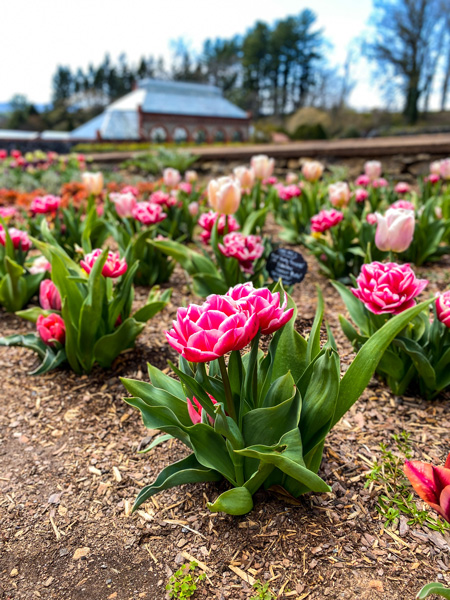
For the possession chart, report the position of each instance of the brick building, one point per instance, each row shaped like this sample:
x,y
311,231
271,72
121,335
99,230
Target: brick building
x,y
160,111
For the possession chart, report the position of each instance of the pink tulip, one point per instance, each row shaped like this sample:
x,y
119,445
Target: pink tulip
x,y
245,176
270,180
264,303
444,169
193,209
406,204
16,153
224,195
363,180
312,170
287,192
7,212
361,195
185,187
431,483
148,213
207,332
372,218
245,248
49,296
163,198
402,188
433,178
380,183
171,177
339,194
207,221
373,168
291,178
45,204
113,267
395,230
195,410
123,203
40,265
3,154
262,166
435,167
388,287
19,239
443,308
130,189
325,220
191,176
51,329
93,182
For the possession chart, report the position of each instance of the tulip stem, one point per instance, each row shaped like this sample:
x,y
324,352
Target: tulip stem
x,y
227,388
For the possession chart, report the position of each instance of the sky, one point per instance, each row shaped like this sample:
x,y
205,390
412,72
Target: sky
x,y
38,36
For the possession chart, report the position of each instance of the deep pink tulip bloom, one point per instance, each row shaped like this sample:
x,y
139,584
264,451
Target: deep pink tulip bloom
x,y
325,220
402,188
130,189
395,230
16,153
207,332
287,192
45,204
3,154
406,204
162,198
380,183
6,212
49,296
443,308
363,180
265,304
195,410
372,219
245,248
185,187
431,483
361,195
388,287
433,178
19,239
113,267
207,221
123,203
148,213
51,329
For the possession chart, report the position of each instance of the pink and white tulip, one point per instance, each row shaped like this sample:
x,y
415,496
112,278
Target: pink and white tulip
x,y
395,230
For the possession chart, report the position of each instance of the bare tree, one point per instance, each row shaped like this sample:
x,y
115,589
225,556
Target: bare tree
x,y
404,45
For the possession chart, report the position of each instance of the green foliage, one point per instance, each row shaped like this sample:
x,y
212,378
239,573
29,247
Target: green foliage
x,y
417,359
183,583
431,589
154,163
262,591
314,131
96,313
272,415
396,497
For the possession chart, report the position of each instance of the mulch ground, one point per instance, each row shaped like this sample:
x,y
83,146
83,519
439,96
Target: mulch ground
x,y
70,472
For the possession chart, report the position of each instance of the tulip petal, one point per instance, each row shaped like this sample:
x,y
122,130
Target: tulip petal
x,y
444,502
421,477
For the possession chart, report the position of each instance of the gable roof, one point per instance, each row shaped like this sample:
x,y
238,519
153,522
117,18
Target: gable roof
x,y
120,119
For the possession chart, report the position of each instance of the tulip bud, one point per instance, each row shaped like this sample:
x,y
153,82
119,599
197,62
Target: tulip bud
x,y
245,176
395,230
312,170
171,177
262,166
191,176
93,183
339,194
373,168
443,308
445,168
224,195
49,297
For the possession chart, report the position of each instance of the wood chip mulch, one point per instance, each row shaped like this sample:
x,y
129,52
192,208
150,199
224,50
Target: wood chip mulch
x,y
70,472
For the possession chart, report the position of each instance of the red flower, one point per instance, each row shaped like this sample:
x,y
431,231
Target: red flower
x,y
51,329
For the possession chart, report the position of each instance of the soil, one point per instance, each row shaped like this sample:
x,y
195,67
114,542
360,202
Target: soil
x,y
70,472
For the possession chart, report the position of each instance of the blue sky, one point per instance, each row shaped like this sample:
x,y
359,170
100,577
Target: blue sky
x,y
51,32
